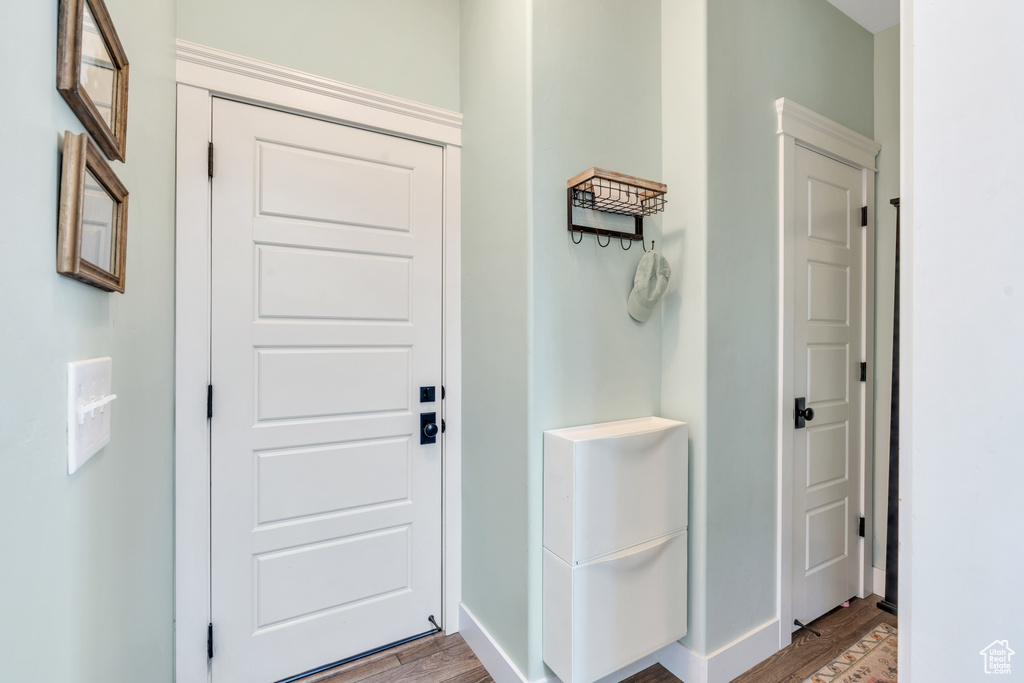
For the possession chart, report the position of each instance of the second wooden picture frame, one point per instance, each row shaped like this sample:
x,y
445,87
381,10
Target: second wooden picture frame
x,y
92,230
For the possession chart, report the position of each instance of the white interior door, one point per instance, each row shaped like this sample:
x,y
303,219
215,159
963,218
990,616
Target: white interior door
x,y
326,285
828,349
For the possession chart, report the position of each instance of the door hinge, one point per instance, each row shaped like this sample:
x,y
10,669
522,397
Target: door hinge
x,y
209,160
209,641
863,209
863,372
860,529
209,401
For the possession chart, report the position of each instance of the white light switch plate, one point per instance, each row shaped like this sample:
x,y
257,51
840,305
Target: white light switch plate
x,y
89,396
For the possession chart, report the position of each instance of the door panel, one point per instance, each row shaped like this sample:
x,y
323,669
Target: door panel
x,y
319,185
333,479
827,348
326,510
292,583
828,456
303,383
826,534
313,283
828,293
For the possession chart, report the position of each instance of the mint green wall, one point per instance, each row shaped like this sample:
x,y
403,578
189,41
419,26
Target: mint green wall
x,y
495,320
591,361
546,337
86,571
596,101
684,243
407,48
887,186
706,119
758,51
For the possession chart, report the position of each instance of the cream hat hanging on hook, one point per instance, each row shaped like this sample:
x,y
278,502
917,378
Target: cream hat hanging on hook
x,y
649,284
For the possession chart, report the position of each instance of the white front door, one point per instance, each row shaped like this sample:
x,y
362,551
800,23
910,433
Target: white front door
x,y
828,349
326,321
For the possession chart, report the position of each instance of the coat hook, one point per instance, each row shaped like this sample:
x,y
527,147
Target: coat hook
x,y
574,240
597,236
630,242
644,245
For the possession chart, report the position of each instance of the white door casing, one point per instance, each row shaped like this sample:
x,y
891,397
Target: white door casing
x,y
203,74
804,132
325,507
827,351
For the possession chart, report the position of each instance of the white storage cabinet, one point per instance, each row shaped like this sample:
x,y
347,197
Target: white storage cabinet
x,y
615,505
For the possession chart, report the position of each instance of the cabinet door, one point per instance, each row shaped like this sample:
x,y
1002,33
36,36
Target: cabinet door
x,y
644,588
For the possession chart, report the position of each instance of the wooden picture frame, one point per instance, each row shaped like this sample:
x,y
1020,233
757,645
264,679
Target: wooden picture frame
x,y
92,230
92,68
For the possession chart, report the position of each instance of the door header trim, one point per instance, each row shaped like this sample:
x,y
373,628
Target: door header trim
x,y
250,80
825,135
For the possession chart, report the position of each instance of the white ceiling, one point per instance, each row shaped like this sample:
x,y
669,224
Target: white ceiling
x,y
874,15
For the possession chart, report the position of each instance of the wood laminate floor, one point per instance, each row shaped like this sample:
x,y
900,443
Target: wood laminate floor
x,y
447,659
434,659
840,629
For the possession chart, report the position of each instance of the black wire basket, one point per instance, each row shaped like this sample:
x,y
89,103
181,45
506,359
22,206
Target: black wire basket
x,y
618,196
615,193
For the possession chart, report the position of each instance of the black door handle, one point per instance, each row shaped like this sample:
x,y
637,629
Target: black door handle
x,y
428,428
803,414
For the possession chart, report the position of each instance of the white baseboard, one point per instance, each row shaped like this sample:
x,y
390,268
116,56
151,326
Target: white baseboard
x,y
501,668
878,581
490,654
720,666
726,663
684,664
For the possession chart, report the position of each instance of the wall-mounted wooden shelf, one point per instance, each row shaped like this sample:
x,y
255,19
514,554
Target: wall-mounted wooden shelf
x,y
614,193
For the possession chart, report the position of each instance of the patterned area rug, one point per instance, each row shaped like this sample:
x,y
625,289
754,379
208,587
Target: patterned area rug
x,y
872,659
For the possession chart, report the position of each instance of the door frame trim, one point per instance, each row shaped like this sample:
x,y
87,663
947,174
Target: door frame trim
x,y
799,126
202,74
